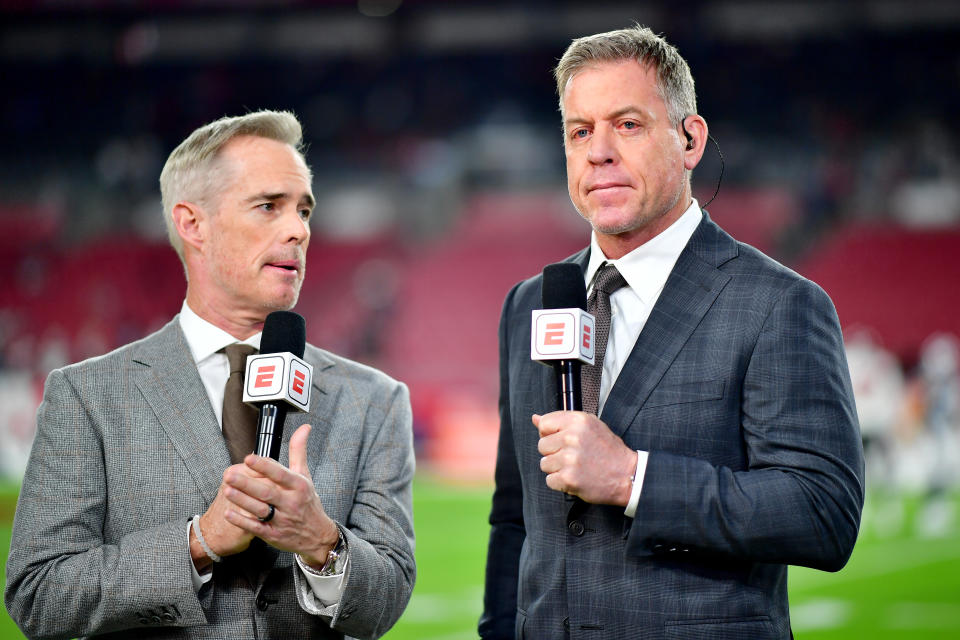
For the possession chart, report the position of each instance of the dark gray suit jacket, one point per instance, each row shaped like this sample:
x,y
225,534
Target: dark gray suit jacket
x,y
128,449
738,387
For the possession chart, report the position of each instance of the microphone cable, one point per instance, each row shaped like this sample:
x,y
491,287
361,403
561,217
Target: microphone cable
x,y
720,177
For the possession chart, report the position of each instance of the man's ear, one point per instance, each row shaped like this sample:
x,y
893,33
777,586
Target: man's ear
x,y
695,134
190,222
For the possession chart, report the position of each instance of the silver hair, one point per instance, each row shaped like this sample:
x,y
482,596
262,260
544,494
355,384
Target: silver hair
x,y
674,81
192,172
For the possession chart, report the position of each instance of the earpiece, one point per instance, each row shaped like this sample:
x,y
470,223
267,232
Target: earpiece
x,y
683,125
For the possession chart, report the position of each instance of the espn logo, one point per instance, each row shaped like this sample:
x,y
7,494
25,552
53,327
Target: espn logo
x,y
562,334
298,382
264,376
278,376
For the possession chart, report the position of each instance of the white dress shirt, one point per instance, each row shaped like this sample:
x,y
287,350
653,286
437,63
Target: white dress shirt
x,y
206,341
646,270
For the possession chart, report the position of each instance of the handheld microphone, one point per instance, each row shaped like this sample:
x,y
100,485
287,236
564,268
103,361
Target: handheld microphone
x,y
277,379
561,334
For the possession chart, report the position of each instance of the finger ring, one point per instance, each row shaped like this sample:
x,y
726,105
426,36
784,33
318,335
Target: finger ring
x,y
269,516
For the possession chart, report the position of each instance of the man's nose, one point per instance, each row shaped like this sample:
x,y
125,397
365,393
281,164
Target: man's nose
x,y
603,148
296,226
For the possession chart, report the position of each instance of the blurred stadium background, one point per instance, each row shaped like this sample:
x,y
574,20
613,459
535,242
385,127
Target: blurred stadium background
x,y
434,140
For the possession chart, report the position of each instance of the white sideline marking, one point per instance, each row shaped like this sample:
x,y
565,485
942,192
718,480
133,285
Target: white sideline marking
x,y
437,607
820,614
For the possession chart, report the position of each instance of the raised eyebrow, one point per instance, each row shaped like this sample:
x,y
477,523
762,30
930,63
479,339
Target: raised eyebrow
x,y
273,197
570,122
619,113
629,110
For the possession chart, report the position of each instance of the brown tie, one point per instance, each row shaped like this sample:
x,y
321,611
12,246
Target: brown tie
x,y
607,280
239,418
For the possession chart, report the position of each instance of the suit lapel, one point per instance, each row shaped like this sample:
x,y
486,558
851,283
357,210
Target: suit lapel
x,y
690,291
169,381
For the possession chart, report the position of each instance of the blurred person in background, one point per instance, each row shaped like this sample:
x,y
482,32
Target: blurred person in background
x,y
939,376
880,390
131,445
726,446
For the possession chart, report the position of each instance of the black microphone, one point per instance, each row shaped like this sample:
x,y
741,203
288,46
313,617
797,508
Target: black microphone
x,y
562,333
277,378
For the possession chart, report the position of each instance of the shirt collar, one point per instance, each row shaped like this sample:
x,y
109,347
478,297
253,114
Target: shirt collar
x,y
647,267
204,338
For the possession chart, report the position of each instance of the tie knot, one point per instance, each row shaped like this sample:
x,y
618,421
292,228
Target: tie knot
x,y
608,279
237,355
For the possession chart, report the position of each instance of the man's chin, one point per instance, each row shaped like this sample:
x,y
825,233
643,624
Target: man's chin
x,y
614,227
283,301
611,221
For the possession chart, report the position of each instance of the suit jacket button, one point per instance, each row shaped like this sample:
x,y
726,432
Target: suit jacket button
x,y
262,603
168,617
576,528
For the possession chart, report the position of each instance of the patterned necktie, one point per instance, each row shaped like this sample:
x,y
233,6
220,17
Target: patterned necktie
x,y
607,280
239,418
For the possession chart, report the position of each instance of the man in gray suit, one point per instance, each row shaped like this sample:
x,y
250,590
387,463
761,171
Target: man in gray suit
x,y
106,539
726,446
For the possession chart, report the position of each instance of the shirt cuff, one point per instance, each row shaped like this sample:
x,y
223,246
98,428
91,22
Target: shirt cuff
x,y
631,509
198,580
326,590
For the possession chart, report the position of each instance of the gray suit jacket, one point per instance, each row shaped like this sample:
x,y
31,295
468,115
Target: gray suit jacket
x,y
738,387
128,449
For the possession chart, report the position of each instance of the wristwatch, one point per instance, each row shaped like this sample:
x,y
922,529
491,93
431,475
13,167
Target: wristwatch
x,y
334,563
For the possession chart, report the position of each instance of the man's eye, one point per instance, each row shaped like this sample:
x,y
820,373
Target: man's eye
x,y
268,206
580,133
305,213
629,125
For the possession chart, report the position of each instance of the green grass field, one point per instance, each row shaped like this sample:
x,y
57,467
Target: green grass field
x,y
900,582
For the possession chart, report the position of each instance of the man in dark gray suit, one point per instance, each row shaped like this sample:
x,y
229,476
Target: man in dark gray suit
x,y
107,540
726,446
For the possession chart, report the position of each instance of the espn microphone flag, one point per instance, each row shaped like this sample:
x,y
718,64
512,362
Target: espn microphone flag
x,y
562,334
278,379
278,376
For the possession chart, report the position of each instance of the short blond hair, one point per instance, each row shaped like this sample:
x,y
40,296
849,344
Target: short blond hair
x,y
674,80
192,172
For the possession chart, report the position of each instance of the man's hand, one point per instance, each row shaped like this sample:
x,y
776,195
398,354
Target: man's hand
x,y
582,457
223,538
299,523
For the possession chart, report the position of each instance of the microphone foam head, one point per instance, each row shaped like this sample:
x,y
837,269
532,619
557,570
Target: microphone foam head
x,y
284,331
563,286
